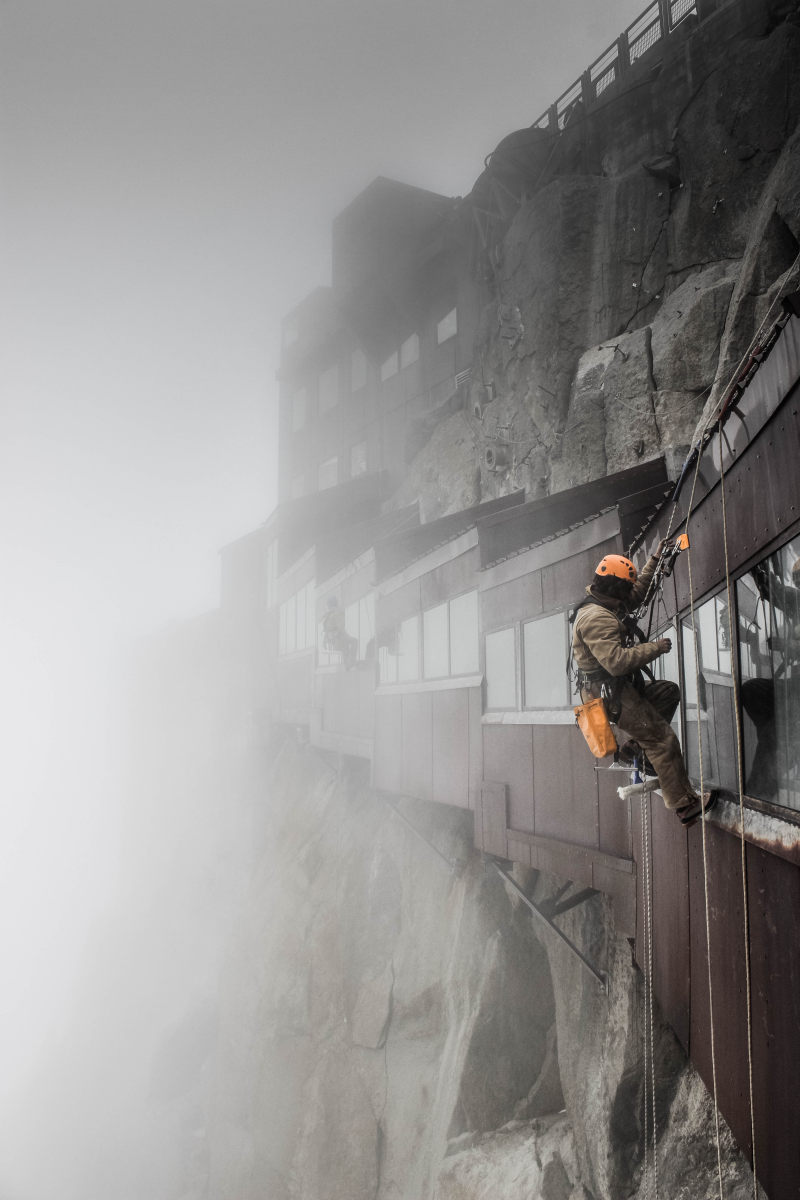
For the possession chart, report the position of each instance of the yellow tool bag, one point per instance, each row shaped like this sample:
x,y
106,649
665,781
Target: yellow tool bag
x,y
592,720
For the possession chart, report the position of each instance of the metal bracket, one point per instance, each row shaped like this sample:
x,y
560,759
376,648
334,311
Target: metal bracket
x,y
600,976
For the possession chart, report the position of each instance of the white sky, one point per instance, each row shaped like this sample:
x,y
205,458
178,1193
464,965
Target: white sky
x,y
170,170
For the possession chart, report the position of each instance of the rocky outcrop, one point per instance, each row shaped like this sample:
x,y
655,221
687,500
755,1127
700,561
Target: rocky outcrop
x,y
641,259
393,1025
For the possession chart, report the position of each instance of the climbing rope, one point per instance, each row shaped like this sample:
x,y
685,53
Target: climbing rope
x,y
739,762
695,643
649,1030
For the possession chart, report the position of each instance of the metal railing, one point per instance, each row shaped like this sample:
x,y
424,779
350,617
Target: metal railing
x,y
655,24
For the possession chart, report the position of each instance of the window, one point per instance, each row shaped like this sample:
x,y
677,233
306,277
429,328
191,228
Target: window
x,y
328,389
447,327
545,659
435,641
359,624
501,669
328,474
768,602
298,487
291,333
358,459
408,650
464,649
409,351
358,371
389,367
298,410
387,663
296,621
708,696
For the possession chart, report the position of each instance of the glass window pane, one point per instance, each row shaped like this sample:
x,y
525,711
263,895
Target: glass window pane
x,y
447,327
358,459
282,630
409,351
769,634
298,486
366,627
351,620
710,724
387,665
501,669
291,624
434,642
464,650
545,659
328,389
408,650
358,371
389,367
311,620
300,614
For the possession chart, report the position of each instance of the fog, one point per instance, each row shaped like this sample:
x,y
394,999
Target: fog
x,y
170,173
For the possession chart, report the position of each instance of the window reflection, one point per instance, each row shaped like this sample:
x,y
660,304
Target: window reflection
x,y
708,694
769,634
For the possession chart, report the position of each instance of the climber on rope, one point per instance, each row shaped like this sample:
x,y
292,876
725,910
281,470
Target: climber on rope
x,y
610,664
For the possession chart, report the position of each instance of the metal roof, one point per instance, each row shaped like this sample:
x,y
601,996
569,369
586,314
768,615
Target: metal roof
x,y
396,553
505,534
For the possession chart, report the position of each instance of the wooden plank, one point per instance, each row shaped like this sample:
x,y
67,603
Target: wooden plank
x,y
774,900
519,852
564,582
451,747
475,700
494,808
727,975
450,579
508,757
564,785
670,891
582,854
387,761
613,814
519,600
417,739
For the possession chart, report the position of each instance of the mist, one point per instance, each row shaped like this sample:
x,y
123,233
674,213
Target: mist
x,y
171,171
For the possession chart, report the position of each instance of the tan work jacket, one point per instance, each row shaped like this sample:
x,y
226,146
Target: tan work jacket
x,y
598,636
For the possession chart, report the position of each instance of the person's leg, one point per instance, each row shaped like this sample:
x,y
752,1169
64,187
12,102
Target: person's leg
x,y
642,721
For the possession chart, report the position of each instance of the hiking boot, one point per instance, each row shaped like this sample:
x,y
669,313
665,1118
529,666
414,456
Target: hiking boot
x,y
696,807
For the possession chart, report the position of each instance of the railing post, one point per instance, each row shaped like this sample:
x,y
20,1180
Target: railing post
x,y
665,12
552,118
587,89
623,54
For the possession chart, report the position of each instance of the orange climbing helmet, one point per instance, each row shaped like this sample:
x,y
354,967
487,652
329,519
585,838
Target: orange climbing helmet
x,y
617,565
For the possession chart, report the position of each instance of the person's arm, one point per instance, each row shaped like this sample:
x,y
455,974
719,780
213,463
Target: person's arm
x,y
599,632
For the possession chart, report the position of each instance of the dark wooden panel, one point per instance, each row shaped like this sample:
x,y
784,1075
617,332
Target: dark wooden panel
x,y
614,830
564,583
418,745
519,852
508,756
493,814
451,747
774,900
451,579
564,785
671,956
387,761
518,600
399,604
475,744
727,974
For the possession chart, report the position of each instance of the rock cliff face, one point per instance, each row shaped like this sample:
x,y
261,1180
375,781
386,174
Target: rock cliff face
x,y
392,1025
645,249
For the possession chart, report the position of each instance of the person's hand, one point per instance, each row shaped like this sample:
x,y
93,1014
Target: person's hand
x,y
663,645
662,546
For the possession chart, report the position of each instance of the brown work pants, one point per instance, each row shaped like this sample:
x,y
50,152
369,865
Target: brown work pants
x,y
645,716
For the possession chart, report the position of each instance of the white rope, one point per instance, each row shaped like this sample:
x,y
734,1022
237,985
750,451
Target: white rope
x,y
645,1094
650,1017
703,823
739,761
